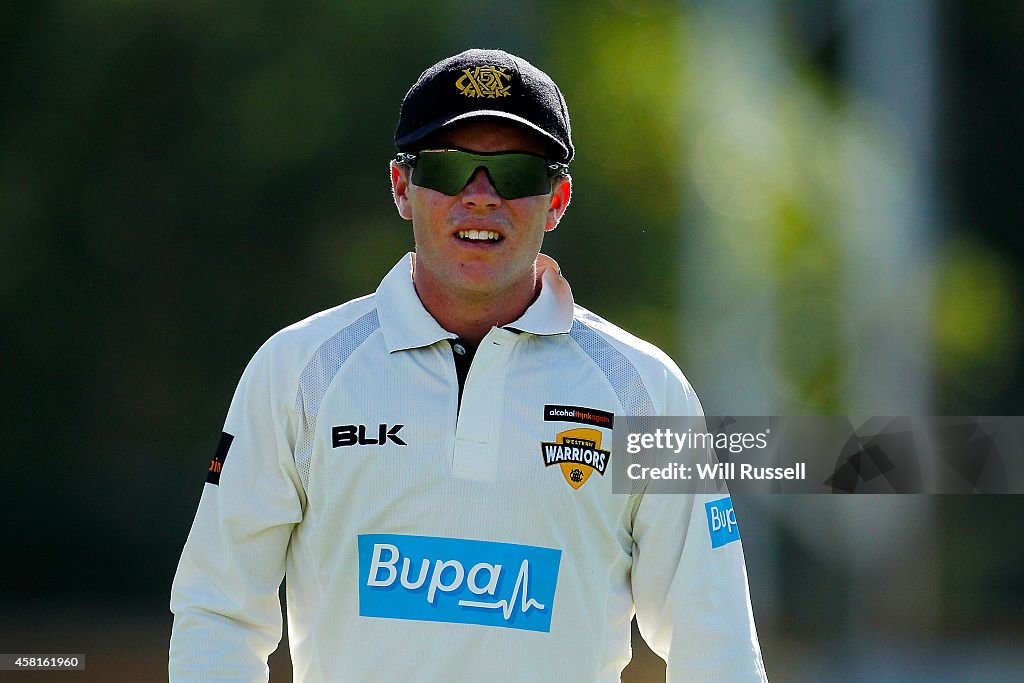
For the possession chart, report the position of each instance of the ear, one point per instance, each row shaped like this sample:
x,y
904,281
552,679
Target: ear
x,y
400,189
561,193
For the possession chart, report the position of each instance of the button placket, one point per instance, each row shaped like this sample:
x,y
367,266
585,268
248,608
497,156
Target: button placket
x,y
476,447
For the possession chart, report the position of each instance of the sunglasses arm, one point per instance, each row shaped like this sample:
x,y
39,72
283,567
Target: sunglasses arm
x,y
406,159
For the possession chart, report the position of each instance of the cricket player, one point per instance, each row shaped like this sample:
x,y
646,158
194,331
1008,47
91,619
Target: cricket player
x,y
429,466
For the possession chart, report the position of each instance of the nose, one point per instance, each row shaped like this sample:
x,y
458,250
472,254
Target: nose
x,y
479,192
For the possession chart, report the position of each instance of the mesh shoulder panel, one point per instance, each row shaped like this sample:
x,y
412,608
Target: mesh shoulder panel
x,y
617,369
317,376
625,380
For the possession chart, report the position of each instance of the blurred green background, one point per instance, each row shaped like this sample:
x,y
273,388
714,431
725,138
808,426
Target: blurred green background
x,y
815,207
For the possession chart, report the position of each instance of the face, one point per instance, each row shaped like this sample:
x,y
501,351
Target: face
x,y
450,265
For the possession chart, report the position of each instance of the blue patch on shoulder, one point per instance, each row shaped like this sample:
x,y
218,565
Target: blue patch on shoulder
x,y
722,522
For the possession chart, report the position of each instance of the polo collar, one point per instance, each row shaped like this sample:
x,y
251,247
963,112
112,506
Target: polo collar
x,y
406,324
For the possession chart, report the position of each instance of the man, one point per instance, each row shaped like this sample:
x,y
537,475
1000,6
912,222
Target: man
x,y
427,464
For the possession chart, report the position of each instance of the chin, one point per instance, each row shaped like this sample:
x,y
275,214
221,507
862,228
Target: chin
x,y
480,282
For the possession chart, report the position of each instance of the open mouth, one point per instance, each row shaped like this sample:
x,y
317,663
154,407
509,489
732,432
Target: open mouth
x,y
479,236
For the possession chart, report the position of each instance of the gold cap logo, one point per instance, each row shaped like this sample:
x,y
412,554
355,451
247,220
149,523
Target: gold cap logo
x,y
484,81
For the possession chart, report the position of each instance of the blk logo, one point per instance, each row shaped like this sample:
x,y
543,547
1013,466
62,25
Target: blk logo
x,y
356,435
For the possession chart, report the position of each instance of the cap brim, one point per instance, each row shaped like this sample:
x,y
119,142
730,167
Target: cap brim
x,y
438,124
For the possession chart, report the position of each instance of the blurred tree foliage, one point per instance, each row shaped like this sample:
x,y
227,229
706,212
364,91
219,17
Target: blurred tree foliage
x,y
178,180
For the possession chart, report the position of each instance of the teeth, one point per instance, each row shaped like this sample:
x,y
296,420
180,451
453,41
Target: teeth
x,y
486,235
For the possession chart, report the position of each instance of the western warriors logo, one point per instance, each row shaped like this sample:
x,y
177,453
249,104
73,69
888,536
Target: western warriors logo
x,y
484,81
456,580
578,453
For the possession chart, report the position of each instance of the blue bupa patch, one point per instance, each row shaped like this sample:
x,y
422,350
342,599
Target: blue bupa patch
x,y
428,578
722,522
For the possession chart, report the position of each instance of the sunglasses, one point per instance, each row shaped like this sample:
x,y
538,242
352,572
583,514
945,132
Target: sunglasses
x,y
514,174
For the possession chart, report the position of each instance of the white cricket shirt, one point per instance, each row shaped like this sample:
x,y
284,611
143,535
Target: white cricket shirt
x,y
424,539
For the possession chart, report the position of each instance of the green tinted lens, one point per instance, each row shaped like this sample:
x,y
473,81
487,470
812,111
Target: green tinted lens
x,y
519,175
441,171
513,174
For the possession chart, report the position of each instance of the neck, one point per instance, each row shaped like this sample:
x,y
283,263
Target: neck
x,y
471,315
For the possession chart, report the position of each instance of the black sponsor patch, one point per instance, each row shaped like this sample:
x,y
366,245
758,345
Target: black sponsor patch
x,y
586,416
219,456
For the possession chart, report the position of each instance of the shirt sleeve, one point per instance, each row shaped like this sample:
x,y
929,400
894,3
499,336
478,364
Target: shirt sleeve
x,y
689,580
227,614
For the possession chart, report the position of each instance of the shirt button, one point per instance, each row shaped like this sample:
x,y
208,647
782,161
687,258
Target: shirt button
x,y
459,349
